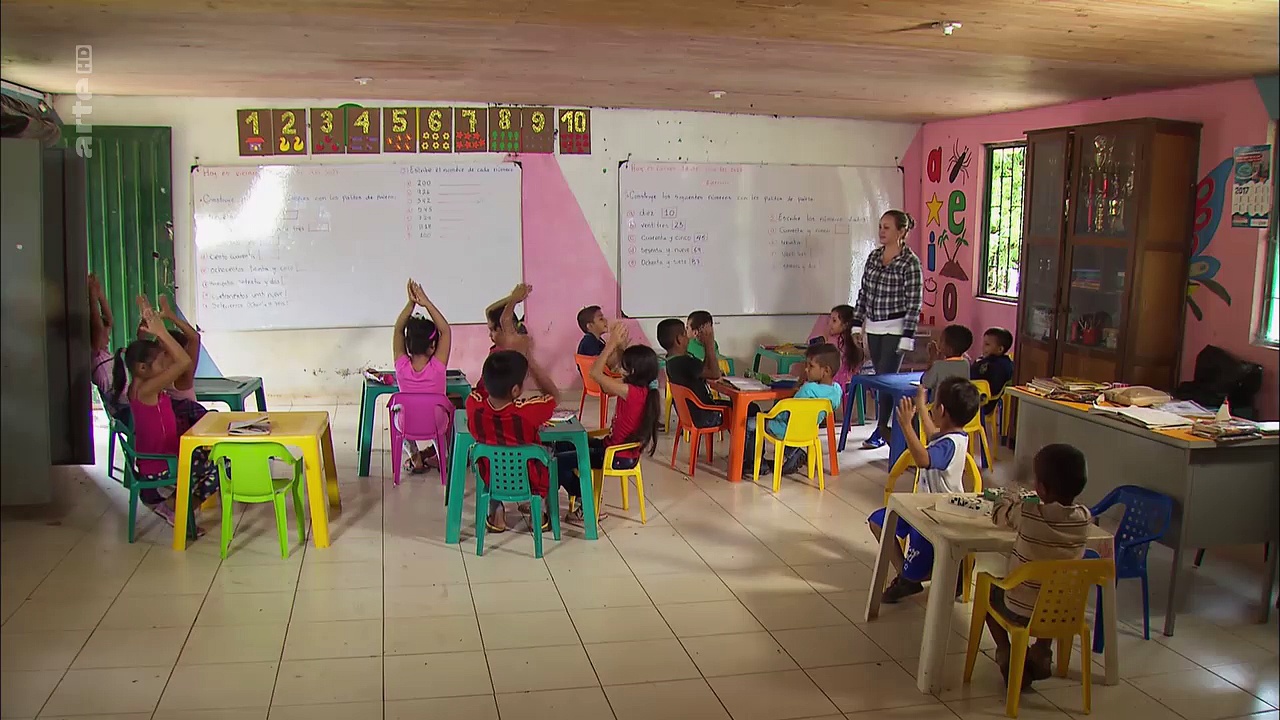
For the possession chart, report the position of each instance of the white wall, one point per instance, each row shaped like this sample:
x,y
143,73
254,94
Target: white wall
x,y
322,364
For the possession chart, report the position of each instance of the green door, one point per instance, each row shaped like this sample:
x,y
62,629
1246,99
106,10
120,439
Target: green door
x,y
129,181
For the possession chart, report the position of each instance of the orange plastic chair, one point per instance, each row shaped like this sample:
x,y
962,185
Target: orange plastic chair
x,y
803,426
1065,586
684,400
592,388
971,471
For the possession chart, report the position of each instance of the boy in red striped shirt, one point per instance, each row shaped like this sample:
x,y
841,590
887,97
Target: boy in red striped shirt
x,y
498,415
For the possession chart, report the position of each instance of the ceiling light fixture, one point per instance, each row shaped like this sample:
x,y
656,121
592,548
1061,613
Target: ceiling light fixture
x,y
717,94
367,80
949,27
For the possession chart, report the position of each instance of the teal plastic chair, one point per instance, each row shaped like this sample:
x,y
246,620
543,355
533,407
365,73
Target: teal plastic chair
x,y
131,478
253,484
509,482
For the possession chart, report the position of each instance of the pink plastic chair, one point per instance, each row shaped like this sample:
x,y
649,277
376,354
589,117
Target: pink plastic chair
x,y
420,417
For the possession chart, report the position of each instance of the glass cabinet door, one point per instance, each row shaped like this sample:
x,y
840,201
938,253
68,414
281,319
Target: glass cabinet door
x,y
1105,202
1095,295
1048,155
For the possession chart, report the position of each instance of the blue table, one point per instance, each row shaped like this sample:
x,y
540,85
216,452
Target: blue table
x,y
898,386
571,431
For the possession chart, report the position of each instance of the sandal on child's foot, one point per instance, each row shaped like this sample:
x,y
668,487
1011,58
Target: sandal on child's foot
x,y
496,522
166,512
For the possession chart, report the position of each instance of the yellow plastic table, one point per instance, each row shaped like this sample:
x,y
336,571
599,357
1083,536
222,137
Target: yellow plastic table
x,y
306,430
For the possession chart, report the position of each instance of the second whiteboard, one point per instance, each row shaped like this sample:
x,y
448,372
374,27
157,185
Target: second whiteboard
x,y
746,239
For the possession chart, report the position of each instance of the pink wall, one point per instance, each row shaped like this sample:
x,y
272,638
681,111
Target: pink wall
x,y
1231,114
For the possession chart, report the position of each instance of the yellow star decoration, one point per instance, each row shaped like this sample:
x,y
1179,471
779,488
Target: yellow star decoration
x,y
935,207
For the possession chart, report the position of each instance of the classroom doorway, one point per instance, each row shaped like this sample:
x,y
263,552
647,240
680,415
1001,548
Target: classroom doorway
x,y
129,214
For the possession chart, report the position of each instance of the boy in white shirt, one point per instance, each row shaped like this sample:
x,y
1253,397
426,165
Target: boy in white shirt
x,y
941,464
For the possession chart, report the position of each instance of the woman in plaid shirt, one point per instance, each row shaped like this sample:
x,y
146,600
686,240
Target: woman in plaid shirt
x,y
888,308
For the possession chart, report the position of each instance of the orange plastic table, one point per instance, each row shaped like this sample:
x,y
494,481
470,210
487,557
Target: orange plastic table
x,y
306,430
738,423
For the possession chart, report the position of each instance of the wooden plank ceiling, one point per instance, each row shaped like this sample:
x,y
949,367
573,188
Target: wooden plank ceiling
x,y
827,58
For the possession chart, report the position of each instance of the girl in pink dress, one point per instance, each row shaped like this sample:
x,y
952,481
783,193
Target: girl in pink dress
x,y
421,349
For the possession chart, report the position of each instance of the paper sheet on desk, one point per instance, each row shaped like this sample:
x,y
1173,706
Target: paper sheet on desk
x,y
746,384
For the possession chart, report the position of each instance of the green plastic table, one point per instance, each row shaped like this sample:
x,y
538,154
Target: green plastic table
x,y
783,361
231,391
457,386
571,431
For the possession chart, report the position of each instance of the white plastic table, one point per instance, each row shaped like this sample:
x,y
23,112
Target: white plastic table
x,y
953,537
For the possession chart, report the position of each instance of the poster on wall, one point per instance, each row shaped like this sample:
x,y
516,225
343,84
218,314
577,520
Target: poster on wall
x,y
1251,196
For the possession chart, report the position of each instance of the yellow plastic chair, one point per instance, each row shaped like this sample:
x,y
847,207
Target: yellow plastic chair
x,y
623,475
1065,586
803,426
971,471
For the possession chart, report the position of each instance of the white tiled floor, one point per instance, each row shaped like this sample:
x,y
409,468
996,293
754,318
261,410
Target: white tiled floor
x,y
730,603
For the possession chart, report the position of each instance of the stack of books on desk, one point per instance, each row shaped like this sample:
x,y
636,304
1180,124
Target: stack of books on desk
x,y
1227,430
1067,388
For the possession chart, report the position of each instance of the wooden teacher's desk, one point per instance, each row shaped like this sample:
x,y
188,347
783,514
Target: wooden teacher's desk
x,y
1224,493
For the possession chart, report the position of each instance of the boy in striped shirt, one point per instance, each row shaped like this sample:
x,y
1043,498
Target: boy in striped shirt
x,y
1055,528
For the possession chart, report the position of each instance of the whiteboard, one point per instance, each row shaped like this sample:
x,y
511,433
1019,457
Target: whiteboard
x,y
327,246
746,239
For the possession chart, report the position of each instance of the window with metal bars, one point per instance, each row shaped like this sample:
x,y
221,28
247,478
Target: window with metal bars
x,y
1002,231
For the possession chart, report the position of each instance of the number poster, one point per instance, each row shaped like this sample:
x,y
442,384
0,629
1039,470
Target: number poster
x,y
355,130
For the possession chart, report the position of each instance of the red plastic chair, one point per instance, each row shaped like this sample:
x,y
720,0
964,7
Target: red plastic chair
x,y
684,401
592,388
420,417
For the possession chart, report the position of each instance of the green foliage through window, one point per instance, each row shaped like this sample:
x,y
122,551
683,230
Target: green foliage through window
x,y
1002,234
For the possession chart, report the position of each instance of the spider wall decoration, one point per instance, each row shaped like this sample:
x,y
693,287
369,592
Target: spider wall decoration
x,y
959,162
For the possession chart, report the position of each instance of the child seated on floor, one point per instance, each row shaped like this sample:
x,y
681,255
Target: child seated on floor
x,y
421,351
941,464
995,366
946,357
1055,528
635,419
821,362
690,372
497,414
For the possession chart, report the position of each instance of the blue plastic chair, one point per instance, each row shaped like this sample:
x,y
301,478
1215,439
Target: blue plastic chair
x,y
1147,515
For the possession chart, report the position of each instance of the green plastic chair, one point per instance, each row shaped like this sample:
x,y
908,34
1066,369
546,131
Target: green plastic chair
x,y
130,477
254,484
509,482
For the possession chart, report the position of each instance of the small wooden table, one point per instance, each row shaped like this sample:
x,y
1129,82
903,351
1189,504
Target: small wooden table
x,y
738,423
231,391
1224,493
571,431
953,537
455,386
306,430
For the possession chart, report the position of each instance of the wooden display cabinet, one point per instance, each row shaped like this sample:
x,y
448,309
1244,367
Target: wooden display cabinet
x,y
1107,236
